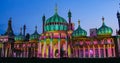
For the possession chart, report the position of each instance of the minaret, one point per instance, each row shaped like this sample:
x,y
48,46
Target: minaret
x,y
69,19
21,31
69,16
43,19
118,39
24,30
9,31
118,17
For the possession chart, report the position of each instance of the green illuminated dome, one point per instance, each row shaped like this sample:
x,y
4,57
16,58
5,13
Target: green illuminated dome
x,y
55,23
79,32
104,30
19,37
35,35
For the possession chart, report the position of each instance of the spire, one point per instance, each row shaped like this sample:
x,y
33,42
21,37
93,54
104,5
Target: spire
x,y
56,8
24,29
43,19
69,19
21,31
119,5
103,20
35,28
118,14
79,22
69,14
9,22
10,18
118,17
9,29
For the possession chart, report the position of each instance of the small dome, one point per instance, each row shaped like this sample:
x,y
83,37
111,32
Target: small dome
x,y
19,37
104,30
79,31
55,23
35,35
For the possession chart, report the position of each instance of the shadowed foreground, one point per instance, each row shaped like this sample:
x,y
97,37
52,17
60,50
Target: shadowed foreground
x,y
61,60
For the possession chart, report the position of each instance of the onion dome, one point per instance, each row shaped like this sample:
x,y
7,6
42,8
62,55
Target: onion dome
x,y
35,35
19,37
55,23
104,30
79,32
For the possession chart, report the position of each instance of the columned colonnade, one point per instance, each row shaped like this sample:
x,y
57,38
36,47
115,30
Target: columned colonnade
x,y
53,47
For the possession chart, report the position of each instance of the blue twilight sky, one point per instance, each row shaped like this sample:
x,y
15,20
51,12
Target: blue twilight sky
x,y
30,12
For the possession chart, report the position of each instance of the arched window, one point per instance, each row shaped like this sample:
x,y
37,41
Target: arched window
x,y
52,26
96,53
105,41
112,51
57,27
49,28
112,41
61,27
86,53
91,53
102,53
81,53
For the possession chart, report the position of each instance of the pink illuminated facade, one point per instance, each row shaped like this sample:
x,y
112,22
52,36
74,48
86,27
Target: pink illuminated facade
x,y
59,39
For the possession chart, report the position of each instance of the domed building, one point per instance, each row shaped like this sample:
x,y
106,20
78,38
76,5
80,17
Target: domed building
x,y
100,46
79,32
19,40
23,48
20,37
54,39
59,39
35,36
104,30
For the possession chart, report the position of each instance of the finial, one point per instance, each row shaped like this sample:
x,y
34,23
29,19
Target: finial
x,y
69,14
78,21
21,30
56,8
69,10
119,5
117,11
35,28
43,17
43,14
102,18
10,18
24,26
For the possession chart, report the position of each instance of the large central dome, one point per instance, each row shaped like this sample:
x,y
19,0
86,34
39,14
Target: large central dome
x,y
56,23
